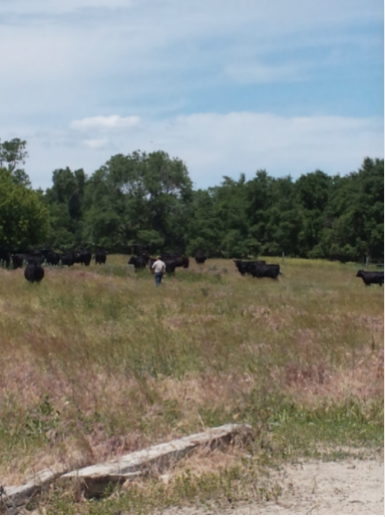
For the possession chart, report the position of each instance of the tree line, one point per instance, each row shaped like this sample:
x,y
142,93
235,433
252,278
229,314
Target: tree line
x,y
148,200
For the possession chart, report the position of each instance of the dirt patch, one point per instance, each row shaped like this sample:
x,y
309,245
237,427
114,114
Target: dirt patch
x,y
347,487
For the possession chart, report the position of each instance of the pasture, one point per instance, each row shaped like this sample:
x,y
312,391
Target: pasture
x,y
97,361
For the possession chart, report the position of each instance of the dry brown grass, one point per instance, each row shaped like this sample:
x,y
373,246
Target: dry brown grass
x,y
94,365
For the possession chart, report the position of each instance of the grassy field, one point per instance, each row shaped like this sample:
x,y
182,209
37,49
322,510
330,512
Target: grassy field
x,y
96,362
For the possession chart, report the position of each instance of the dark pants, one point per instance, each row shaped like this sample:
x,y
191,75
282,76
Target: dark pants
x,y
158,279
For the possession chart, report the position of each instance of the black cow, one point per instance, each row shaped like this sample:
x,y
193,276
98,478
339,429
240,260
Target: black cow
x,y
266,271
83,257
176,261
100,256
247,267
52,258
33,272
370,277
183,261
138,262
171,265
67,258
200,257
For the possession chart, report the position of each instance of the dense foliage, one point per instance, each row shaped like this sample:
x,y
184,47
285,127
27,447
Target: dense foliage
x,y
24,220
148,200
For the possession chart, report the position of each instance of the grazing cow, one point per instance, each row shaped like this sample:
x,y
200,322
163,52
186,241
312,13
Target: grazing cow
x,y
76,256
176,260
5,256
52,258
68,258
266,271
100,256
171,264
371,277
247,267
85,257
82,257
200,257
182,261
138,262
33,272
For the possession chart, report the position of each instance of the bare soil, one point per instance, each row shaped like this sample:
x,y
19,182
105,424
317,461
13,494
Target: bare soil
x,y
346,487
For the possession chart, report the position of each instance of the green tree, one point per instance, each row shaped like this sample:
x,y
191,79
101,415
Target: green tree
x,y
12,153
311,194
354,216
65,200
24,220
203,224
230,210
258,201
144,197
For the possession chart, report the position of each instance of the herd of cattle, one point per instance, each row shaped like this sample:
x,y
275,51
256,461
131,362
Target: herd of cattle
x,y
34,272
50,257
257,268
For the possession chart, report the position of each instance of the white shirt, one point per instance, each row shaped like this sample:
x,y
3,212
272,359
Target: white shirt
x,y
159,266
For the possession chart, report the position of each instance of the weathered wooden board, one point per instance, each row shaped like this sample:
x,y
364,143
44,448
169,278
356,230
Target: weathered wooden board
x,y
95,478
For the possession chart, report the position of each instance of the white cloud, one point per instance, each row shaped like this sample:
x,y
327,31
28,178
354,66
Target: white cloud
x,y
64,61
96,143
122,53
213,145
105,123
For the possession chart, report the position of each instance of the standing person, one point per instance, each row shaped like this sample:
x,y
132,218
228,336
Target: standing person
x,y
159,267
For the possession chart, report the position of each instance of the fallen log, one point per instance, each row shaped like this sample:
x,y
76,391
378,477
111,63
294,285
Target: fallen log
x,y
95,478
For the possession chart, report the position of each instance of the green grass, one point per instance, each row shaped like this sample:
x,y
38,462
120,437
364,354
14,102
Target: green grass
x,y
97,361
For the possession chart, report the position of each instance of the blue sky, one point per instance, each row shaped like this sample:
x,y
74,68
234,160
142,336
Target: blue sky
x,y
228,86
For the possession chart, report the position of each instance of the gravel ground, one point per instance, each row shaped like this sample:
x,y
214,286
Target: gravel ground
x,y
347,487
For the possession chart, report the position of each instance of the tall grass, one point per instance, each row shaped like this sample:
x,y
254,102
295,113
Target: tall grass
x,y
96,361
